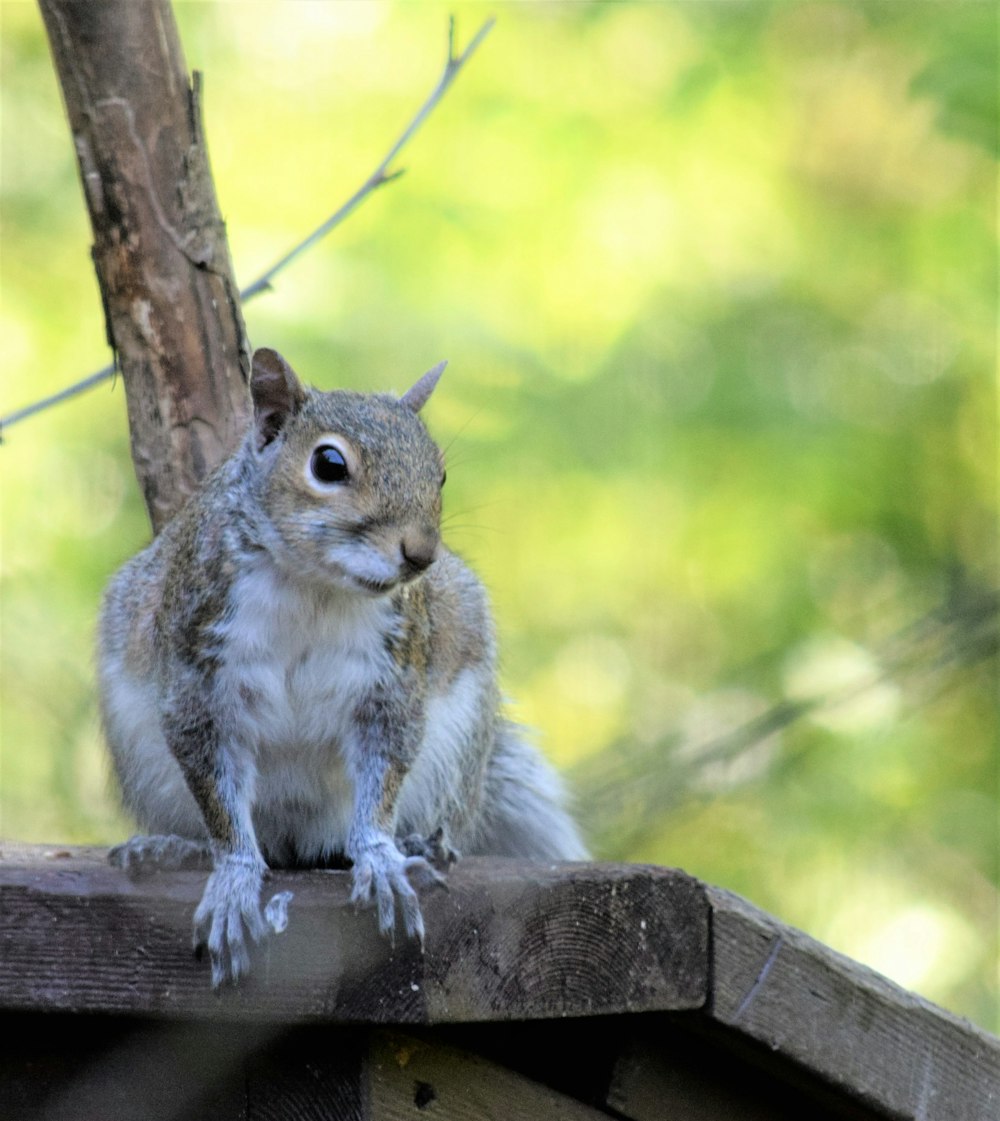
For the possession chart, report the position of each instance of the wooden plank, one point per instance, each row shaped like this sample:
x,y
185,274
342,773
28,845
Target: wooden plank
x,y
651,1082
870,1039
508,940
65,1067
511,941
574,1056
313,1073
411,1075
60,1067
687,1069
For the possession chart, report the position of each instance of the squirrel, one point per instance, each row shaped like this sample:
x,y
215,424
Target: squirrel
x,y
297,671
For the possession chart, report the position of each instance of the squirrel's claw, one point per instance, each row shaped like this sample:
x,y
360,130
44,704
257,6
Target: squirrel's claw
x,y
382,874
230,910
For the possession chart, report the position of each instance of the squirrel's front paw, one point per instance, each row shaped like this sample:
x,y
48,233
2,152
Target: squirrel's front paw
x,y
382,873
229,911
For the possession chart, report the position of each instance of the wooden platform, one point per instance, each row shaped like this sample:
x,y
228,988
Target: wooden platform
x,y
571,991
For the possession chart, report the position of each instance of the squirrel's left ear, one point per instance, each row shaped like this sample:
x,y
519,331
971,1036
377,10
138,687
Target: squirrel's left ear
x,y
416,396
276,391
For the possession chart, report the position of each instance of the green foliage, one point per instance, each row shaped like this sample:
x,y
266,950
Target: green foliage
x,y
717,283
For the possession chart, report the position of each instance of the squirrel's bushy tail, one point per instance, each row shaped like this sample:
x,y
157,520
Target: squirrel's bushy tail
x,y
523,805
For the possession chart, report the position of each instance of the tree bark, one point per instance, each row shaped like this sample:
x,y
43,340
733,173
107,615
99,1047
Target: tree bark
x,y
171,303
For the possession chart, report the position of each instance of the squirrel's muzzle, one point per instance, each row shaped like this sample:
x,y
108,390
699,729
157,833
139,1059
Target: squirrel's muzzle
x,y
419,552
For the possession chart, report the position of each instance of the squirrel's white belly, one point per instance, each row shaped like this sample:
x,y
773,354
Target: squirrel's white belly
x,y
295,665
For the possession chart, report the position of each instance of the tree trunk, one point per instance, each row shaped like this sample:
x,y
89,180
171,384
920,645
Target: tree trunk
x,y
171,303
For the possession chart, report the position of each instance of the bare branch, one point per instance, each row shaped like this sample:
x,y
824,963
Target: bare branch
x,y
56,398
380,176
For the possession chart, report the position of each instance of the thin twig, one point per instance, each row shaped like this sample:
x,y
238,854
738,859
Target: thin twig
x,y
378,177
381,174
63,395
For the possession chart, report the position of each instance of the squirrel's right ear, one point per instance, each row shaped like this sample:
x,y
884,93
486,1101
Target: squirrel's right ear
x,y
416,396
277,394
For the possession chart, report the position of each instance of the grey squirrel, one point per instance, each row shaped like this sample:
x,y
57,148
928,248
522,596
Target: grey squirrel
x,y
296,670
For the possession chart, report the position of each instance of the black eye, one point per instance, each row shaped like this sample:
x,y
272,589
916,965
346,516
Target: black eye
x,y
444,476
328,464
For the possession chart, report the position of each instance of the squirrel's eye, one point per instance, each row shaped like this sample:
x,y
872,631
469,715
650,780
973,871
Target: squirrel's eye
x,y
328,464
444,477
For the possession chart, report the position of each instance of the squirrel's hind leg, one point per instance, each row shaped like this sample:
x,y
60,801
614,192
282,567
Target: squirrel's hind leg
x,y
434,849
141,856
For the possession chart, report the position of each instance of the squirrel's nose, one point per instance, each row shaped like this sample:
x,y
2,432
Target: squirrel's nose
x,y
419,552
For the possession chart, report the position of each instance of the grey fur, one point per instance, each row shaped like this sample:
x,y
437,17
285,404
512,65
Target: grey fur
x,y
297,671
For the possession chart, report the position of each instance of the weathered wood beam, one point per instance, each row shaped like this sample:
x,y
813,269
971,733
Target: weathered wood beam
x,y
171,303
888,1047
507,940
655,953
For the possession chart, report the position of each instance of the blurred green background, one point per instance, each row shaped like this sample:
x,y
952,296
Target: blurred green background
x,y
717,283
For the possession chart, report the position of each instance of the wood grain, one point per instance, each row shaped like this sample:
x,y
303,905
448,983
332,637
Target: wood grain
x,y
507,940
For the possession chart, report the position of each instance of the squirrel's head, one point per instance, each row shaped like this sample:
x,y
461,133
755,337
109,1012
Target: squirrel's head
x,y
350,482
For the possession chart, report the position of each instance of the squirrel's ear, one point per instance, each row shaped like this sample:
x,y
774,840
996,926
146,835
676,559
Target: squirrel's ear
x,y
416,396
276,391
